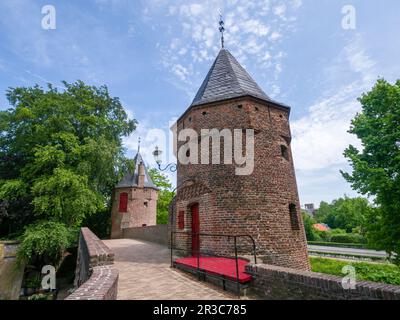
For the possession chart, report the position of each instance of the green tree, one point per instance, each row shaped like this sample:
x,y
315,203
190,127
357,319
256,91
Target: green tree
x,y
165,195
344,213
323,211
61,153
376,168
311,234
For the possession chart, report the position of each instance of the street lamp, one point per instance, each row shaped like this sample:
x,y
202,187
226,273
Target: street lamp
x,y
157,157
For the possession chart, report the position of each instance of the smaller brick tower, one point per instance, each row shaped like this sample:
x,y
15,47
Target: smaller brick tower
x,y
134,200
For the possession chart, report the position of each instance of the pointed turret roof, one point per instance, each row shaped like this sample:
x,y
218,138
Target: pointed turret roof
x,y
227,79
131,179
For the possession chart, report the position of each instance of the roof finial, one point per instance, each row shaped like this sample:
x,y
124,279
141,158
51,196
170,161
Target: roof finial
x,y
138,148
221,28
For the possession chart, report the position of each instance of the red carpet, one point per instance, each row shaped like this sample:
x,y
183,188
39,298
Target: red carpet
x,y
218,266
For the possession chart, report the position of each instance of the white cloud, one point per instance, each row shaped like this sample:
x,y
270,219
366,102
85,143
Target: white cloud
x,y
275,36
255,27
251,28
296,3
280,11
275,91
180,71
320,137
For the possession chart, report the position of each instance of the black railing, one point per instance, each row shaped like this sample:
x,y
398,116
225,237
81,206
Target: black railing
x,y
199,252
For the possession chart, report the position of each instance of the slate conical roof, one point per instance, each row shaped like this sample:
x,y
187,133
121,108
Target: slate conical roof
x,y
131,179
227,79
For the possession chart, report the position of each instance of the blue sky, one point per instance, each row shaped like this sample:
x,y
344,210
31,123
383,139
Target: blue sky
x,y
154,55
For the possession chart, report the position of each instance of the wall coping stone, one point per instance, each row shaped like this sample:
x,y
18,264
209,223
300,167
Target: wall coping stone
x,y
103,276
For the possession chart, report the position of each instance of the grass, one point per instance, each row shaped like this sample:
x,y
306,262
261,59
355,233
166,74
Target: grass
x,y
376,272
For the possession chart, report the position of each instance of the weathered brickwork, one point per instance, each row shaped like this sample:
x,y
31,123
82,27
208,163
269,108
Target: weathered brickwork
x,y
256,204
95,277
142,210
272,282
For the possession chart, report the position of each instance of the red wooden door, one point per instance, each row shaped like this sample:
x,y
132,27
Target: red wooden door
x,y
195,229
123,202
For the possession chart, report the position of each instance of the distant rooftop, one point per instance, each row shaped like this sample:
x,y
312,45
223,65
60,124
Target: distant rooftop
x,y
131,179
227,79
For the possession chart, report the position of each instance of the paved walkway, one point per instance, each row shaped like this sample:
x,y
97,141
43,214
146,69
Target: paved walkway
x,y
145,274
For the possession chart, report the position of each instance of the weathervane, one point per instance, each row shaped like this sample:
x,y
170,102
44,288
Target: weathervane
x,y
221,28
138,148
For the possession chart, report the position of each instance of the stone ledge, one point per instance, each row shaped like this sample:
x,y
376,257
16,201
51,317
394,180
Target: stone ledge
x,y
99,253
102,285
95,277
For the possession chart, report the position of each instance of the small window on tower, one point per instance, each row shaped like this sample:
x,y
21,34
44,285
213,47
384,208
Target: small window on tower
x,y
294,220
204,113
123,202
284,152
181,220
240,106
146,204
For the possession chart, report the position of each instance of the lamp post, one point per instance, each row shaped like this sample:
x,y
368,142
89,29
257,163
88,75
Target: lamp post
x,y
157,157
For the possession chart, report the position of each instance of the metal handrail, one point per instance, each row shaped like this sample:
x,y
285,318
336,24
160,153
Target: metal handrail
x,y
216,235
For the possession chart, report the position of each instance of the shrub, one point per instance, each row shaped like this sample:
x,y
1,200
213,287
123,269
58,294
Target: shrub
x,y
323,235
337,231
44,243
99,223
348,238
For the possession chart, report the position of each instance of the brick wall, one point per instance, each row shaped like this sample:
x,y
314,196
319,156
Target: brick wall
x,y
157,234
95,276
273,282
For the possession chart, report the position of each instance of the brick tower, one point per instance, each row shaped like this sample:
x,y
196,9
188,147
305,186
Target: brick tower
x,y
211,198
134,200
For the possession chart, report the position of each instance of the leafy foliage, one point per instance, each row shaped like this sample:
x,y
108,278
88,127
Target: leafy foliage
x,y
376,168
308,227
348,238
99,223
65,196
344,213
165,195
45,241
